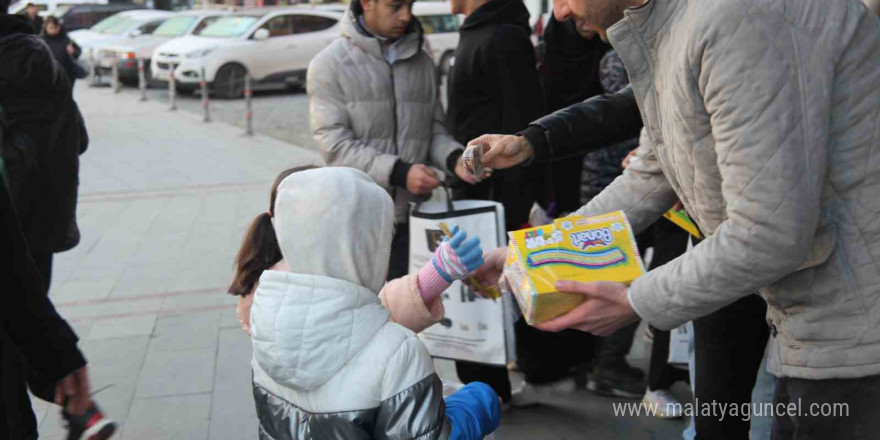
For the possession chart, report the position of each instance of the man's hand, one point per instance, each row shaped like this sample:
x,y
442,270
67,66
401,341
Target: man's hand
x,y
629,157
75,389
463,174
503,151
70,49
490,272
421,180
604,311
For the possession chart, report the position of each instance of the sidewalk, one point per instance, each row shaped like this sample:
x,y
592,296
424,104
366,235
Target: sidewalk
x,y
164,202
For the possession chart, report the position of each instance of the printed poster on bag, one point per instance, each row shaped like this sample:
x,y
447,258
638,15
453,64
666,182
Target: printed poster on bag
x,y
473,328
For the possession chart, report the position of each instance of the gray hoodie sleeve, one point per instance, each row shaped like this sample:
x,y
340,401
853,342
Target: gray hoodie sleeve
x,y
331,126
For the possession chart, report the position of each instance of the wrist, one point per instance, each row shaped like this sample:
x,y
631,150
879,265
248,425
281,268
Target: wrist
x,y
399,173
452,160
431,281
537,143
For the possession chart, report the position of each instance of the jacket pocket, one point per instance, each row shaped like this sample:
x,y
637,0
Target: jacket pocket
x,y
820,304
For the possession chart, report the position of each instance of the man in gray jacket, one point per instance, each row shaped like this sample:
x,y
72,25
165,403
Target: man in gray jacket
x,y
762,117
374,105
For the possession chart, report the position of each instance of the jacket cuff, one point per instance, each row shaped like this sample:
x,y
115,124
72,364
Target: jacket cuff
x,y
431,282
452,159
538,139
399,173
652,305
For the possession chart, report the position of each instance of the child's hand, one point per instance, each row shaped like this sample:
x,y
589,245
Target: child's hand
x,y
458,257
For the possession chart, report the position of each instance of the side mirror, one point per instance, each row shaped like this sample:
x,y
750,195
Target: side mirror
x,y
261,34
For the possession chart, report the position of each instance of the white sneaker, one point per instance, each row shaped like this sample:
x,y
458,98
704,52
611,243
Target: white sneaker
x,y
531,394
667,406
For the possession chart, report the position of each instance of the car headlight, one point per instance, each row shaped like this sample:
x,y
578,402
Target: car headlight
x,y
200,53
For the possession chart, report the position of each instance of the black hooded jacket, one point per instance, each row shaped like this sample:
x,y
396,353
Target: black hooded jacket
x,y
494,89
48,136
58,45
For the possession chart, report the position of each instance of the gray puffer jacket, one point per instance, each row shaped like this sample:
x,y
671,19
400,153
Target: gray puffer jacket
x,y
763,117
366,113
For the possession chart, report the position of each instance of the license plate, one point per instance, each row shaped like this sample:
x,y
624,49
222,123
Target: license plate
x,y
161,75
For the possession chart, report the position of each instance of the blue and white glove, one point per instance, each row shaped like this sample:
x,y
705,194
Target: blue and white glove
x,y
454,259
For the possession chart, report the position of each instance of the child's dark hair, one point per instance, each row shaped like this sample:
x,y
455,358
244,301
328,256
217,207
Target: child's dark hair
x,y
259,249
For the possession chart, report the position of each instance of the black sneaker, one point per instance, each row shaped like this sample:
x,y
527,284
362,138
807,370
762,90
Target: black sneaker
x,y
92,425
626,382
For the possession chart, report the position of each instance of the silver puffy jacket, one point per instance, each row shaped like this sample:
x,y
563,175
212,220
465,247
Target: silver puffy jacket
x,y
366,113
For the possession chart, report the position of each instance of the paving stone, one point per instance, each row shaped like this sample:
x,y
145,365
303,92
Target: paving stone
x,y
177,372
173,417
122,327
186,332
83,289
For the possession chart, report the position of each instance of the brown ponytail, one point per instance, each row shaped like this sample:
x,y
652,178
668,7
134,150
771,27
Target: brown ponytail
x,y
259,249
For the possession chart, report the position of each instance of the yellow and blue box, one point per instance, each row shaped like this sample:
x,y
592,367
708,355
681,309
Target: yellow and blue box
x,y
574,248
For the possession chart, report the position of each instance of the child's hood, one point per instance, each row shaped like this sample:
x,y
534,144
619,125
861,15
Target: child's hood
x,y
334,228
335,222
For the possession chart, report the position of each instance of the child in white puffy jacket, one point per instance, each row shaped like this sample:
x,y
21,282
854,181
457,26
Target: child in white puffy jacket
x,y
413,300
328,360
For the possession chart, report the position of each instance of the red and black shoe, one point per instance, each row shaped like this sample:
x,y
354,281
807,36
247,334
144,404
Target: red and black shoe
x,y
92,425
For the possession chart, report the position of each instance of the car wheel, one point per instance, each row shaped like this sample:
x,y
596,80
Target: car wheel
x,y
229,81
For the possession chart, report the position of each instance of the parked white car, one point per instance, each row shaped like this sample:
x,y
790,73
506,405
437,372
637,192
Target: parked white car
x,y
441,31
272,45
117,27
128,51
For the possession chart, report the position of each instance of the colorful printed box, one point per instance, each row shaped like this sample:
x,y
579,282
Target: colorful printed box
x,y
574,248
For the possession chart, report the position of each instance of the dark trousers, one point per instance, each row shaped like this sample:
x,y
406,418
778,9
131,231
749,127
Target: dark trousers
x,y
399,264
17,420
855,417
545,357
729,346
661,375
495,377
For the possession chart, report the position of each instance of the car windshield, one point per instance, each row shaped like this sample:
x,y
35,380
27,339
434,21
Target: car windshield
x,y
175,26
120,27
229,27
109,22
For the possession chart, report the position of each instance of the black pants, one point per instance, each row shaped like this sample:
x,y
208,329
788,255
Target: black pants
x,y
399,264
856,417
495,377
729,346
545,357
661,375
17,420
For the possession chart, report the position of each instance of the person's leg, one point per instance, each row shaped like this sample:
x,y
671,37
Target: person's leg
x,y
729,347
17,420
541,356
399,264
611,374
690,433
840,409
661,375
762,394
43,261
495,377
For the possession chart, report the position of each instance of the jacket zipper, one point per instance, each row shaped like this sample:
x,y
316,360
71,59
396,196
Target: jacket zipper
x,y
394,109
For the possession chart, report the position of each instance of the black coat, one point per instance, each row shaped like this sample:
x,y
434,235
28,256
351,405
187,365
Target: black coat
x,y
494,88
569,74
31,332
36,97
58,45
